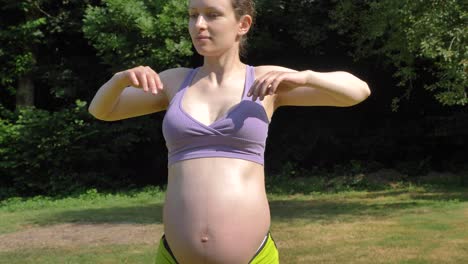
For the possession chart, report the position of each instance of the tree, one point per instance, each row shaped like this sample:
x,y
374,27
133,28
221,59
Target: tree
x,y
135,32
416,37
42,50
292,26
22,33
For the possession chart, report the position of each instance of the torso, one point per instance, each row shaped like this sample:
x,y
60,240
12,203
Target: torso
x,y
216,209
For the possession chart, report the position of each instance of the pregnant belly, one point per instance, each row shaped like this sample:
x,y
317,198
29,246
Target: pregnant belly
x,y
215,216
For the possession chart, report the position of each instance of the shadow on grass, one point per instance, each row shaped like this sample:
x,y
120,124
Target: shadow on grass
x,y
431,193
148,214
329,211
281,210
314,210
352,209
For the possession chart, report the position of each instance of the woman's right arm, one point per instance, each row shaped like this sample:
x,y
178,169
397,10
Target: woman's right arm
x,y
130,93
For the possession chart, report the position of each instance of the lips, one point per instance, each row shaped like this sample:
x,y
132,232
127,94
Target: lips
x,y
203,37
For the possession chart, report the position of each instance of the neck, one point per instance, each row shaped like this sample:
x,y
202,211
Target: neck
x,y
226,64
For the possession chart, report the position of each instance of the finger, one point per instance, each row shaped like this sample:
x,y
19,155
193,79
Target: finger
x,y
270,90
152,84
148,72
265,86
144,82
252,88
258,89
257,84
266,81
273,88
264,90
275,84
262,95
157,79
159,83
134,79
249,92
271,84
255,90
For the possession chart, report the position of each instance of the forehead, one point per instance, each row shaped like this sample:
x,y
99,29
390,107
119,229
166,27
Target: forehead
x,y
210,4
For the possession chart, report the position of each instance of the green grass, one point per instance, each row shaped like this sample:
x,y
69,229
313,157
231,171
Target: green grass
x,y
405,224
140,207
103,254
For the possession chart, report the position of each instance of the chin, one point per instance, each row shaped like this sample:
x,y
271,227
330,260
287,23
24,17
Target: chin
x,y
208,53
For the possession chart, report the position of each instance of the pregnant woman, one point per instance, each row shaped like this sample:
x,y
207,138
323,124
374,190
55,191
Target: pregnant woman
x,y
216,209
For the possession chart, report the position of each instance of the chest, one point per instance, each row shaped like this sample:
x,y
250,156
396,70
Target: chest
x,y
208,104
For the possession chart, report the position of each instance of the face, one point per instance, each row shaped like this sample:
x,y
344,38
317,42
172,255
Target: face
x,y
213,26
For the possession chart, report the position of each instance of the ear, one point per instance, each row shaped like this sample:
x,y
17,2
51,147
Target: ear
x,y
245,23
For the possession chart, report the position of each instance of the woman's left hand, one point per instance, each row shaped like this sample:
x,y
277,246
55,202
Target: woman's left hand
x,y
277,81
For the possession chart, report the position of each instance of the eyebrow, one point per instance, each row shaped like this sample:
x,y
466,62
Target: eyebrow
x,y
208,8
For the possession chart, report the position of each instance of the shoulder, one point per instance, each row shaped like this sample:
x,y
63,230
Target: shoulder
x,y
174,74
261,70
270,102
172,79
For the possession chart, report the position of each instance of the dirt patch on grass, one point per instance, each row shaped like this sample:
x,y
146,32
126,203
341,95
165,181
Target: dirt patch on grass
x,y
75,235
446,253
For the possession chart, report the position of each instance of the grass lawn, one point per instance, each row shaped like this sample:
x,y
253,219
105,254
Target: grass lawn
x,y
405,224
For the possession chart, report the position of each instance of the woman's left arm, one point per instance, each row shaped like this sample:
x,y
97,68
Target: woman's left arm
x,y
309,88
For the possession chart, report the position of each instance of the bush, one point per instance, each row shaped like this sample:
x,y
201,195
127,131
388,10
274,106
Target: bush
x,y
52,153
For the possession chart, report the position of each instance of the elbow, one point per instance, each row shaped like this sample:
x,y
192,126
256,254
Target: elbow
x,y
360,91
365,91
102,118
362,95
97,115
92,111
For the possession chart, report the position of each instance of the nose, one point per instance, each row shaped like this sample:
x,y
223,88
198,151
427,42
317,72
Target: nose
x,y
201,22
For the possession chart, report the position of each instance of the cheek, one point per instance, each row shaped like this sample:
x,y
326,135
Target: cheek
x,y
191,27
231,35
227,30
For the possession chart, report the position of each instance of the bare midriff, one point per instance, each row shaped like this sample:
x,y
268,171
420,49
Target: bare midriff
x,y
216,210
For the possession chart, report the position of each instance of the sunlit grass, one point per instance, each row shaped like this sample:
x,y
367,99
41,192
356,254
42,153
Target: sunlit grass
x,y
405,224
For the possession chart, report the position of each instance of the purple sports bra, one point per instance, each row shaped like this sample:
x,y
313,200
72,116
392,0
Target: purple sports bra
x,y
241,133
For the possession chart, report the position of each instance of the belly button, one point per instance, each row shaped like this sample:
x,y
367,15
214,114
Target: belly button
x,y
204,239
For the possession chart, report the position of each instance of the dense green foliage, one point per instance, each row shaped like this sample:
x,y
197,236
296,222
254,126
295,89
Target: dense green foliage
x,y
416,37
282,25
19,38
43,41
131,33
68,48
63,151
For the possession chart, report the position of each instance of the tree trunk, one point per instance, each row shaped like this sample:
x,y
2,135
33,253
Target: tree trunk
x,y
25,92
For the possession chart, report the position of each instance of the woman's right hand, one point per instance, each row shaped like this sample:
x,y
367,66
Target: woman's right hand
x,y
142,77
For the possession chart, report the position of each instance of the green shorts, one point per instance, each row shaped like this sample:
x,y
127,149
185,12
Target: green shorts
x,y
266,254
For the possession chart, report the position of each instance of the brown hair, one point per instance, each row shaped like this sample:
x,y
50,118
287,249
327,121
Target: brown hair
x,y
243,7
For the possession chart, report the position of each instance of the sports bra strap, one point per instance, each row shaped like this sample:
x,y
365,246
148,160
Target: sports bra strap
x,y
188,78
248,81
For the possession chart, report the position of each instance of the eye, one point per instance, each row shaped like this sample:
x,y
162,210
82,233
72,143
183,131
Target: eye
x,y
213,15
193,15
